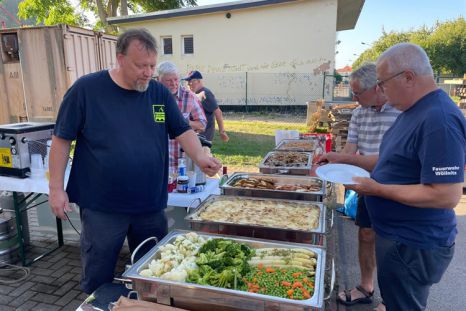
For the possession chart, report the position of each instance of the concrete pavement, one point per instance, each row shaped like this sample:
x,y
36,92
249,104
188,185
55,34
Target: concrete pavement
x,y
53,282
448,295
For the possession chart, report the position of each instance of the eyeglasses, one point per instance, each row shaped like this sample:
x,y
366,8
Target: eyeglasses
x,y
358,95
380,83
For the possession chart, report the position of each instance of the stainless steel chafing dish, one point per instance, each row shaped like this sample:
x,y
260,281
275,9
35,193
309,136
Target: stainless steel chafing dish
x,y
201,297
280,181
303,168
305,145
314,236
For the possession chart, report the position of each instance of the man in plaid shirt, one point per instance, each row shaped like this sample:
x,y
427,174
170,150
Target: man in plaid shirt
x,y
188,103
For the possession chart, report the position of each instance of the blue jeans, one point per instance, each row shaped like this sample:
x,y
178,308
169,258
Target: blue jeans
x,y
102,238
406,274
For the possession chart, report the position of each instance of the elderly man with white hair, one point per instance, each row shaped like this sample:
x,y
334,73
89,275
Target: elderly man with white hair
x,y
416,181
188,103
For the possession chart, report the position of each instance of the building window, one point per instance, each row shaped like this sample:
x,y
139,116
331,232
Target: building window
x,y
167,45
188,44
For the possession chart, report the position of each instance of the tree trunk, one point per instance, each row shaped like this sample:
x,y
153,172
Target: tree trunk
x,y
124,7
115,4
102,12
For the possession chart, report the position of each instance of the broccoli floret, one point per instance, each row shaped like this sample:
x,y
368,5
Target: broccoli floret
x,y
223,279
211,245
221,263
233,250
247,251
205,258
193,276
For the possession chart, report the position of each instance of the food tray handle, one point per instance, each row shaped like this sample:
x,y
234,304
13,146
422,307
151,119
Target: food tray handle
x,y
332,281
140,245
191,204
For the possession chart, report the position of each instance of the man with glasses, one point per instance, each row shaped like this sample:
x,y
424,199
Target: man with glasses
x,y
209,103
416,181
367,126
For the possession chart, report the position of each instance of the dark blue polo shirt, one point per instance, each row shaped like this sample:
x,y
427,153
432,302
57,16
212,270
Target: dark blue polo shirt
x,y
425,145
121,158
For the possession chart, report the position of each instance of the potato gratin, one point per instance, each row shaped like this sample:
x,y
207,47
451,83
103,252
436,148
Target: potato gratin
x,y
267,213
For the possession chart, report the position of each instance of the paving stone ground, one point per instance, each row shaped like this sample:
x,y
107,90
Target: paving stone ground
x,y
53,281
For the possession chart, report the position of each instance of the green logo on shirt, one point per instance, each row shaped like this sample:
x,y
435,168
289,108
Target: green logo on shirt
x,y
159,113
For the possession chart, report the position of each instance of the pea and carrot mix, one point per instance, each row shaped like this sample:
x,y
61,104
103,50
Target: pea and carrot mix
x,y
290,283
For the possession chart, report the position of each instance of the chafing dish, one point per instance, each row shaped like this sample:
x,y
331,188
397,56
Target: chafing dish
x,y
315,236
201,297
279,190
297,167
305,145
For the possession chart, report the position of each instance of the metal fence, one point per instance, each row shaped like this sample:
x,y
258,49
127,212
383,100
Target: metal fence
x,y
254,89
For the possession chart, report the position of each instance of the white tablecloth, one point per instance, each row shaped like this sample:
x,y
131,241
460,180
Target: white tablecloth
x,y
40,185
185,199
36,185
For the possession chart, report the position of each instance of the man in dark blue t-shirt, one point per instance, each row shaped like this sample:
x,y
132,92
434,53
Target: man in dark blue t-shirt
x,y
209,104
121,120
417,180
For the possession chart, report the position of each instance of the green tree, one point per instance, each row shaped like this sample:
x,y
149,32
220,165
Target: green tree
x,y
51,12
446,47
337,76
445,44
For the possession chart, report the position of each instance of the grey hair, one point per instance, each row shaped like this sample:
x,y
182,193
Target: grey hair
x,y
142,35
166,67
366,75
406,56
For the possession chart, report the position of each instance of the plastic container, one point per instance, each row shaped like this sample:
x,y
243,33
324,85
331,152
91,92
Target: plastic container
x,y
192,178
182,184
181,165
196,189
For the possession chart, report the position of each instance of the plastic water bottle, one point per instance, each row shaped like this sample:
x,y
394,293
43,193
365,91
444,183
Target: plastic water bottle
x,y
181,165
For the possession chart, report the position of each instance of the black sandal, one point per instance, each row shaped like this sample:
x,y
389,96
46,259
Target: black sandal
x,y
348,302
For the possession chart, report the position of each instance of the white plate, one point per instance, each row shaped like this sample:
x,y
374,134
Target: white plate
x,y
341,173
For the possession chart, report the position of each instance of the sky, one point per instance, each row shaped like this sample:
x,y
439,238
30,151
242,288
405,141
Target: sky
x,y
388,15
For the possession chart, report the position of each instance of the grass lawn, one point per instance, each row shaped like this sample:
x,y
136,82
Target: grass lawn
x,y
250,140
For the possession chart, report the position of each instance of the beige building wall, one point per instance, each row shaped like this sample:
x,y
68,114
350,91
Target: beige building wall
x,y
268,42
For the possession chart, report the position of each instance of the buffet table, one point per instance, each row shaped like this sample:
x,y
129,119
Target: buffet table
x,y
33,188
178,204
37,187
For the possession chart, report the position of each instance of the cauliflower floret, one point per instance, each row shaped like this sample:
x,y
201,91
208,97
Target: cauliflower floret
x,y
188,264
168,247
156,267
175,275
177,258
192,236
146,273
179,239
